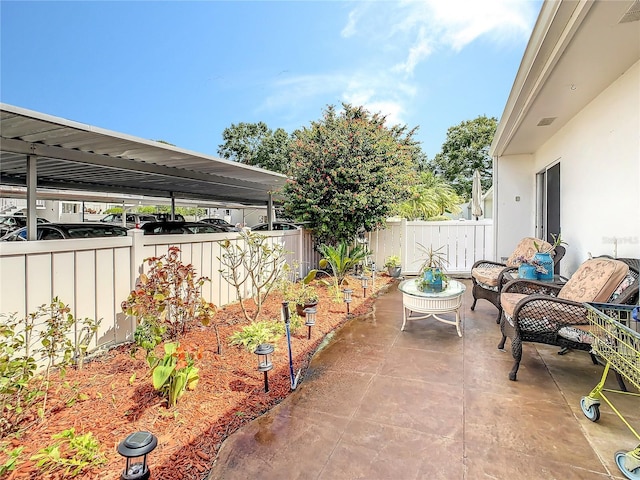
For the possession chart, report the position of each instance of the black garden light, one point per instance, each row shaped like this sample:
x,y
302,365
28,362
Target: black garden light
x,y
310,319
135,449
264,352
347,298
365,284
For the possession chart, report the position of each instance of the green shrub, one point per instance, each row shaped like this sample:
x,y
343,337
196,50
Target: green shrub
x,y
256,333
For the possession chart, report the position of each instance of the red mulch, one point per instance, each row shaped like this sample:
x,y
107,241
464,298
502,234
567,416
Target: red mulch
x,y
229,394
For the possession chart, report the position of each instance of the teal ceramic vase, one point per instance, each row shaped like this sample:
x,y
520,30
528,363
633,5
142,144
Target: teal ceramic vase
x,y
547,262
528,272
433,280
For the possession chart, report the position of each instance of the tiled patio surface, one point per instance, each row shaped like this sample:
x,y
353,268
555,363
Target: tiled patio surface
x,y
378,403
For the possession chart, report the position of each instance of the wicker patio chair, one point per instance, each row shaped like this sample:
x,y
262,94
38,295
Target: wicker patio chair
x,y
555,315
488,277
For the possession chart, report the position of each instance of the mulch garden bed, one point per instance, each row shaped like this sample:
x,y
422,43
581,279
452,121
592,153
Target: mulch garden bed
x,y
105,399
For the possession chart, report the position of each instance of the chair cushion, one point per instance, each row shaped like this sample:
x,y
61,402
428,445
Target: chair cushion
x,y
508,302
578,333
487,276
527,249
628,280
594,281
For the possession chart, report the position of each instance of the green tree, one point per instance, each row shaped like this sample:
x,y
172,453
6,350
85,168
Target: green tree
x,y
347,171
256,144
465,149
432,196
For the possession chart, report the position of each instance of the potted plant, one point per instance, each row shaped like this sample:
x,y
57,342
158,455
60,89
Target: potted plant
x,y
393,265
302,293
530,268
543,257
432,273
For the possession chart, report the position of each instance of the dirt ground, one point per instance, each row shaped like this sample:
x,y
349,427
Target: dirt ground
x,y
104,398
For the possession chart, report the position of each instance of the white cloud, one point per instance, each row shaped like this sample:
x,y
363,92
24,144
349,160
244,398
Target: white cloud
x,y
378,93
350,28
417,28
395,38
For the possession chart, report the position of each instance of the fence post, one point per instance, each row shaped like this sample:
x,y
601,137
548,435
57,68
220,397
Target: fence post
x,y
137,254
404,245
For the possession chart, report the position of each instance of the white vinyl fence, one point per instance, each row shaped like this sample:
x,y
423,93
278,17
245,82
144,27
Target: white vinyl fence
x,y
94,276
462,242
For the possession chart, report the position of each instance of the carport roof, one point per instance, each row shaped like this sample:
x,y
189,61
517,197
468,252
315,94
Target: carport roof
x,y
76,156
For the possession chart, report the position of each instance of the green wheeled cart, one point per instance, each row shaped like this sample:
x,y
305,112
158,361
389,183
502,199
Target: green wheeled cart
x,y
617,343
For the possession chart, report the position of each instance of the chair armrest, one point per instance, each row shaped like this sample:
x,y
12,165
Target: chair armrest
x,y
545,314
487,263
532,287
506,276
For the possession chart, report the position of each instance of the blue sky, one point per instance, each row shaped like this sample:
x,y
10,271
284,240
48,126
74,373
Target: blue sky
x,y
184,71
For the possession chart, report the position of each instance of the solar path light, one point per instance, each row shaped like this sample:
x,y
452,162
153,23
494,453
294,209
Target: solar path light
x,y
310,319
365,284
347,298
264,352
135,449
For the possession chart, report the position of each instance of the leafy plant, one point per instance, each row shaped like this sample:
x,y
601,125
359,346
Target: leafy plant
x,y
341,260
432,259
71,454
17,368
392,261
57,348
465,149
256,262
302,292
86,329
11,462
429,199
252,335
169,295
557,240
175,373
347,170
19,352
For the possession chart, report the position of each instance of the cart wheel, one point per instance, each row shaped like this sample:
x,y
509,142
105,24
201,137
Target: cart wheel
x,y
620,461
592,412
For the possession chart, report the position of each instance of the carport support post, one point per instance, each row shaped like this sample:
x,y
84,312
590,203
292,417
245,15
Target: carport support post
x,y
32,185
270,211
137,255
173,207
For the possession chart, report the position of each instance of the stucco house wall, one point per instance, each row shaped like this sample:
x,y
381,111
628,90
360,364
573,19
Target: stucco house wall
x,y
599,154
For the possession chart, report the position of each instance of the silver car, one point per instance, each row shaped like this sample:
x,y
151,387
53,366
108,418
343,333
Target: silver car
x,y
60,231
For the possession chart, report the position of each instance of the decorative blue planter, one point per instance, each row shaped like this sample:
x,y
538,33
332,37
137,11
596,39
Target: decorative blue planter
x,y
547,262
528,272
433,280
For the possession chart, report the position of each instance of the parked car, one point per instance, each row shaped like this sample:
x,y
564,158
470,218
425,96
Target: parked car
x,y
59,231
219,222
166,217
276,226
14,222
133,220
171,228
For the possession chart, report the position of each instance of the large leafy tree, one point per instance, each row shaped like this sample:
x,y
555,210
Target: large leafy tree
x,y
465,149
256,144
347,171
430,197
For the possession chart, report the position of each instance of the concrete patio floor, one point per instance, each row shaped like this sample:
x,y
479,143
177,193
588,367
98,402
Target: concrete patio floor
x,y
378,403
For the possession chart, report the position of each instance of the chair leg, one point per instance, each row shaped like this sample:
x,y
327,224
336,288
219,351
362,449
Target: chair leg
x,y
473,305
516,352
514,371
504,337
